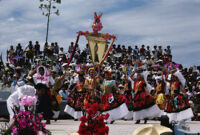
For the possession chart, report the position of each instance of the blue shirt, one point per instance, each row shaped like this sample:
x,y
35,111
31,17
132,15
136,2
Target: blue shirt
x,y
63,94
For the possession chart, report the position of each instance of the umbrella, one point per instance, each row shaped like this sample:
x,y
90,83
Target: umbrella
x,y
155,66
17,57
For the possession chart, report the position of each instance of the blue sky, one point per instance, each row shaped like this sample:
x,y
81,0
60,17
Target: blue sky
x,y
149,22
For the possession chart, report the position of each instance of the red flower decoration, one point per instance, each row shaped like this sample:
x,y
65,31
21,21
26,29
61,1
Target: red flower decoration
x,y
93,123
83,119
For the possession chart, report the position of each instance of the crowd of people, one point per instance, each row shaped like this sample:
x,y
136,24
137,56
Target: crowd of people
x,y
134,82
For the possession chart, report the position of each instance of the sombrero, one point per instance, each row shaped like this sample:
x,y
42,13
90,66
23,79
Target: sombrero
x,y
152,130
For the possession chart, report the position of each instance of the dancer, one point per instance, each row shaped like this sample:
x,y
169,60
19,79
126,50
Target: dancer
x,y
128,97
160,92
143,106
92,87
56,98
177,106
44,103
14,99
112,102
76,98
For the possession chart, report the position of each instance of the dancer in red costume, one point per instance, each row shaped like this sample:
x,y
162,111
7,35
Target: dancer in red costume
x,y
143,106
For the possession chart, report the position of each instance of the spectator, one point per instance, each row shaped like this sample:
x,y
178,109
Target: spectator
x,y
56,48
18,49
37,48
64,91
30,52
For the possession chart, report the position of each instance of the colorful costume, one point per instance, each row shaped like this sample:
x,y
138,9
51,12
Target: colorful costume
x,y
177,107
90,93
112,102
143,106
55,97
160,96
128,100
76,101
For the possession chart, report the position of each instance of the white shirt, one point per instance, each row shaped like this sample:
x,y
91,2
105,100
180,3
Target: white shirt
x,y
26,90
13,99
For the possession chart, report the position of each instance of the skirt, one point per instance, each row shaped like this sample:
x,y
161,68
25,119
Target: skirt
x,y
111,101
117,113
144,107
72,112
178,108
75,104
142,101
179,116
149,113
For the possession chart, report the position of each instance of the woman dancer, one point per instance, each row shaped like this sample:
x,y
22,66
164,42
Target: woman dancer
x,y
76,98
128,97
160,93
143,106
177,106
92,87
112,102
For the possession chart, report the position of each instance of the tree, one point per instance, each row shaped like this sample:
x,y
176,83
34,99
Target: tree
x,y
48,7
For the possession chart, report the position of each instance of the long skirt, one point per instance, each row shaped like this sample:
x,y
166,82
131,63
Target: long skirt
x,y
115,105
178,108
129,103
75,105
44,105
144,107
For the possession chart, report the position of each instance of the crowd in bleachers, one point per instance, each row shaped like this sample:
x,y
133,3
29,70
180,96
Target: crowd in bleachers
x,y
25,63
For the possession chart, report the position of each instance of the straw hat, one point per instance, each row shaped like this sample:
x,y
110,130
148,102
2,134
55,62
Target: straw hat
x,y
152,130
121,86
28,78
52,71
6,69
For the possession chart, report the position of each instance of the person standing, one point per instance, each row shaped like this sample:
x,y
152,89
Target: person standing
x,y
44,104
143,104
177,106
160,93
112,102
76,98
37,48
92,87
30,52
128,96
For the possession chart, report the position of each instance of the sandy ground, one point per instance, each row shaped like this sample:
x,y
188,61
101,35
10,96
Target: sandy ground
x,y
120,127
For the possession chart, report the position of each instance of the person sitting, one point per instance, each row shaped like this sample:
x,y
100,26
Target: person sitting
x,y
17,82
64,91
